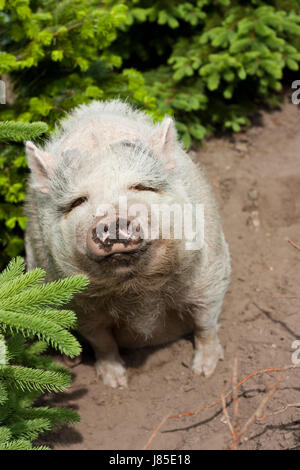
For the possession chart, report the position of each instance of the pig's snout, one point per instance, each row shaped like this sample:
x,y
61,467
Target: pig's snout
x,y
108,237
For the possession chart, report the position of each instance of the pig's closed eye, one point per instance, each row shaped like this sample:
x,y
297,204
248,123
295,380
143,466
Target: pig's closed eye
x,y
77,202
141,187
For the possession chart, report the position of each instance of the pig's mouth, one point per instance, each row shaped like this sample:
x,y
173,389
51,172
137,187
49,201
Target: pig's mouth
x,y
127,257
121,254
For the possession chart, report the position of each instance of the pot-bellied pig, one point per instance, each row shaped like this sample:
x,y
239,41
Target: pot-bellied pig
x,y
115,197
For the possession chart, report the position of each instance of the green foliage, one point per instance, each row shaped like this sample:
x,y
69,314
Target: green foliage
x,y
29,322
217,57
12,181
207,62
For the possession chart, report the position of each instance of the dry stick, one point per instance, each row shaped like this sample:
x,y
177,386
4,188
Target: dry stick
x,y
294,244
257,413
237,436
211,405
156,431
281,410
217,402
235,393
226,414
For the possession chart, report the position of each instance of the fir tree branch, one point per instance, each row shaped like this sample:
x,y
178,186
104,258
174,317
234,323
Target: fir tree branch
x,y
36,324
14,268
31,379
20,131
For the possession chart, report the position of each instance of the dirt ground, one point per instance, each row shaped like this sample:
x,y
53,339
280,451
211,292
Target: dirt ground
x,y
256,179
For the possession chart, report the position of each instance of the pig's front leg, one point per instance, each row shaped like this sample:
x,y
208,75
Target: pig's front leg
x,y
109,365
208,349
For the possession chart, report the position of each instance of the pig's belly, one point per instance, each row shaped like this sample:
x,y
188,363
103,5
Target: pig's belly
x,y
171,329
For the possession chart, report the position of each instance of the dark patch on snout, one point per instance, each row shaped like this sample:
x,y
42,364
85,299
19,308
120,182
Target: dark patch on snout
x,y
115,241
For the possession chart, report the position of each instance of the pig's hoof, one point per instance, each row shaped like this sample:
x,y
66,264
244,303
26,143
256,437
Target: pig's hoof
x,y
206,358
112,373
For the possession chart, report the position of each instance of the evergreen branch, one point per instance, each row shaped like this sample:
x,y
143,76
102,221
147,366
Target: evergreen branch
x,y
20,283
5,434
31,379
29,428
64,318
20,444
3,393
16,347
9,406
57,416
37,348
53,293
27,310
20,131
36,324
14,268
19,400
43,362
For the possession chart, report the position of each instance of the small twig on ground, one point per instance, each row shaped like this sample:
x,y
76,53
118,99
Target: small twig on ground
x,y
235,393
257,413
281,410
218,402
255,416
226,414
156,431
293,244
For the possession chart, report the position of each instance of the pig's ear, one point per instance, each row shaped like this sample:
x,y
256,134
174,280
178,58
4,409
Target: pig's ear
x,y
163,141
41,165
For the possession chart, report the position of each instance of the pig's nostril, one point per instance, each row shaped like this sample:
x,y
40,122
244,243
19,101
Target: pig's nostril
x,y
102,232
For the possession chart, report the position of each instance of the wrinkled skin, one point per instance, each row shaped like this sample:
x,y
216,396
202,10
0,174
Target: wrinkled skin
x,y
153,291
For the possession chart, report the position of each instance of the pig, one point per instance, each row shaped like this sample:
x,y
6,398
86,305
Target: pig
x,y
143,290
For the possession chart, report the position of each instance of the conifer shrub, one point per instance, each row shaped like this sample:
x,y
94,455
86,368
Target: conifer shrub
x,y
211,62
31,320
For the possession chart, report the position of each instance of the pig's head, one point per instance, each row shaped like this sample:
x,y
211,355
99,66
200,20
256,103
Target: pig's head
x,y
94,207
